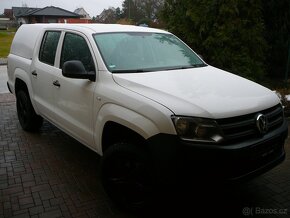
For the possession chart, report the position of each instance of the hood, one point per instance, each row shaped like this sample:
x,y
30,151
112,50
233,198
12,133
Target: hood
x,y
200,92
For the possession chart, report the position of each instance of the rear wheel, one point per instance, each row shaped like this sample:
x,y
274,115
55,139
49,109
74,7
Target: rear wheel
x,y
126,175
27,117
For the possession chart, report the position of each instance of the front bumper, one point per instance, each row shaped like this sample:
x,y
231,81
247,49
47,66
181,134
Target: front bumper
x,y
219,162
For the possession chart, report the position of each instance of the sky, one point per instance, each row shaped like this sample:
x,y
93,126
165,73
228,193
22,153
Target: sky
x,y
93,7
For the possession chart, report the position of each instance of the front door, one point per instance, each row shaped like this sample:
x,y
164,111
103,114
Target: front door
x,y
74,98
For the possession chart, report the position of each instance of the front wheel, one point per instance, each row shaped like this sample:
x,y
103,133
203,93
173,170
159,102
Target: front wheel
x,y
27,117
126,175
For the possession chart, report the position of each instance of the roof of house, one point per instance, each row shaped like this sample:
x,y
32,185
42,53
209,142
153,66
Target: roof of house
x,y
82,12
79,10
47,11
22,11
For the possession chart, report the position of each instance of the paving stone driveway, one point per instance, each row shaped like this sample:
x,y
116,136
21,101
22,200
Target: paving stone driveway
x,y
49,174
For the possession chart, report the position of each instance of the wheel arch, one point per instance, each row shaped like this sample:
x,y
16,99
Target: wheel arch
x,y
120,134
115,119
23,82
20,85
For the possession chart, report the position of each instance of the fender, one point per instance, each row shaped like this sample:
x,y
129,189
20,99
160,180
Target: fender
x,y
24,76
126,117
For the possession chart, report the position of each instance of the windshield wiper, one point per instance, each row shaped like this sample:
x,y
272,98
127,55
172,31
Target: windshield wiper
x,y
130,71
186,67
199,65
159,69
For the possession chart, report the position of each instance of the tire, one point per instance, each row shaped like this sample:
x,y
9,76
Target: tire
x,y
27,117
126,176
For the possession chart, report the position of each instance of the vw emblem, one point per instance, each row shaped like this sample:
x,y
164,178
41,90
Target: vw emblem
x,y
262,123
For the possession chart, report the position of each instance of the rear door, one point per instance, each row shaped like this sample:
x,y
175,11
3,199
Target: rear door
x,y
42,73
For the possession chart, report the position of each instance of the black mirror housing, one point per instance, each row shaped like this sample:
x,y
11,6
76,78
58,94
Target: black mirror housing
x,y
75,69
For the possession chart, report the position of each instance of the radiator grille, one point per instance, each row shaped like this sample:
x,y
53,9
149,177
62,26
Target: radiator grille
x,y
242,128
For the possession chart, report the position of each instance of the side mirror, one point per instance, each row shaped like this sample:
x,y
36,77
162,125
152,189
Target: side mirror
x,y
76,69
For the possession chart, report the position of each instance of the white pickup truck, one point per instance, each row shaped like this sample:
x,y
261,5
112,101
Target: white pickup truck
x,y
144,101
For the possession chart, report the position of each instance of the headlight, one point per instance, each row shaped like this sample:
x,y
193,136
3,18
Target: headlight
x,y
197,129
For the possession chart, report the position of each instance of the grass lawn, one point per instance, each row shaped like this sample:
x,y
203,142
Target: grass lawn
x,y
6,37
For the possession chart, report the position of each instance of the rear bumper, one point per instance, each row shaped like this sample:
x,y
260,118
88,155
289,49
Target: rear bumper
x,y
234,162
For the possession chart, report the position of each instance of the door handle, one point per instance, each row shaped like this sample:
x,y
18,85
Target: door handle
x,y
56,83
34,73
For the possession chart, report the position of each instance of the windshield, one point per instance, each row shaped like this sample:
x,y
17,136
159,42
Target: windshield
x,y
145,52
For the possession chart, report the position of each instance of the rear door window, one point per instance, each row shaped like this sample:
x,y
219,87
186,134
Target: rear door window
x,y
48,47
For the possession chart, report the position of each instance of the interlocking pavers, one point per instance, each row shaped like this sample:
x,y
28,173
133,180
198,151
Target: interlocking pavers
x,y
46,174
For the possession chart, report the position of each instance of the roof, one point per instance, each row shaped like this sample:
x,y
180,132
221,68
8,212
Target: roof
x,y
98,28
47,11
22,11
82,12
54,11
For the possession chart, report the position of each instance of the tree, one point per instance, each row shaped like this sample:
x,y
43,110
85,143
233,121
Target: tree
x,y
277,23
229,34
132,10
118,13
151,8
138,10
